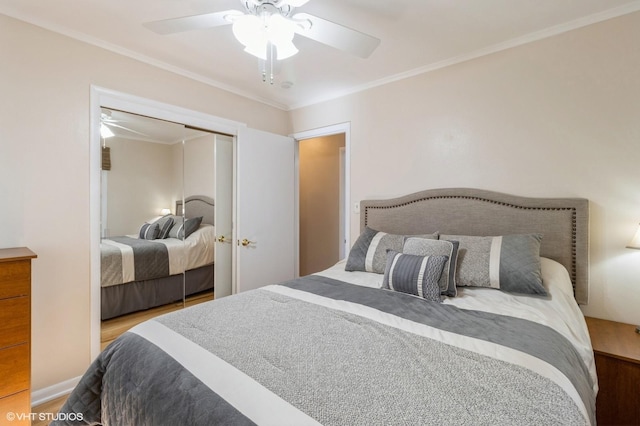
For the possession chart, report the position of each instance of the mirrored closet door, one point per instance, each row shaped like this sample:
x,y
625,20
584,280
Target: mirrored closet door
x,y
157,213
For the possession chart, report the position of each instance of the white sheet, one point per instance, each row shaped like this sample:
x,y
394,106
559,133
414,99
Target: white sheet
x,y
558,311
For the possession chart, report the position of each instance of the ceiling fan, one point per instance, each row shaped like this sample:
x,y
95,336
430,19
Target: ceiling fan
x,y
108,124
266,28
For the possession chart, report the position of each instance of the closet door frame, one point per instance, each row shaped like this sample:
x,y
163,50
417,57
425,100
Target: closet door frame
x,y
102,97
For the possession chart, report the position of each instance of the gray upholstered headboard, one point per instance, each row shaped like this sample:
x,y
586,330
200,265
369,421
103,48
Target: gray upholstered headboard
x,y
197,205
564,222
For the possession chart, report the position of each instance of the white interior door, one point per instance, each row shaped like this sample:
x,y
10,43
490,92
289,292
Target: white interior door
x,y
265,201
223,199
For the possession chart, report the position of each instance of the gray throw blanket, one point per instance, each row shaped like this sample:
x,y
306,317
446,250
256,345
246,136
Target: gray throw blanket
x,y
150,260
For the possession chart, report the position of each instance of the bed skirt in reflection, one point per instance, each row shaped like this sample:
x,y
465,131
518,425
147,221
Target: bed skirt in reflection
x,y
138,295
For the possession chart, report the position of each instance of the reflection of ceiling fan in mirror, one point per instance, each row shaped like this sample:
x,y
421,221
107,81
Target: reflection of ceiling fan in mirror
x,y
127,125
110,125
266,29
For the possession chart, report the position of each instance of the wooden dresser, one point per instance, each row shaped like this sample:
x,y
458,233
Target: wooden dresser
x,y
15,333
617,351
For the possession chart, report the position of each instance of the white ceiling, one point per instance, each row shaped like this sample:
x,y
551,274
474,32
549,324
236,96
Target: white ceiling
x,y
416,36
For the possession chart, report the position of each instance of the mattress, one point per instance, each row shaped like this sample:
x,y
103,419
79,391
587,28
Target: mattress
x,y
334,348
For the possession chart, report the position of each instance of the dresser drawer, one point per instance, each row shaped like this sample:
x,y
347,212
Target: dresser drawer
x,y
14,369
15,319
15,278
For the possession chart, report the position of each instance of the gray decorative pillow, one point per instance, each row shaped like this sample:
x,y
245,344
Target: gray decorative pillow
x,y
178,223
509,262
417,275
164,223
149,231
369,253
426,247
182,229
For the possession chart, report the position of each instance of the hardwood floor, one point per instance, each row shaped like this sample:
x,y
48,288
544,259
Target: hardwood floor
x,y
47,411
112,328
109,331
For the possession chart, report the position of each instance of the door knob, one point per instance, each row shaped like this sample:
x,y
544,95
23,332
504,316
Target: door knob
x,y
245,242
223,239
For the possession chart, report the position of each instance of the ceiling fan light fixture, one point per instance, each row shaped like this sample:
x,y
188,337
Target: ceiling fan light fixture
x,y
247,29
256,33
257,49
285,49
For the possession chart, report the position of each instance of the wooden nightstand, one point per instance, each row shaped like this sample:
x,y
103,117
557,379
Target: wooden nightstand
x,y
617,352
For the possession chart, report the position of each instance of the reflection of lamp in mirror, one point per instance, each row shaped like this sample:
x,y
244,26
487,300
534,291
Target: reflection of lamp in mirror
x,y
164,212
635,241
635,244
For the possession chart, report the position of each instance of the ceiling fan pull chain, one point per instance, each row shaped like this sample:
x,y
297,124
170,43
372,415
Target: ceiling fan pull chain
x,y
271,63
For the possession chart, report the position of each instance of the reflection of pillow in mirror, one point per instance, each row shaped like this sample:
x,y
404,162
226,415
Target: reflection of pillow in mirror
x,y
149,231
178,221
164,223
190,225
182,230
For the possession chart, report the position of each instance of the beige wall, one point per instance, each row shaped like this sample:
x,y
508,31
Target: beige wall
x,y
558,117
319,160
199,166
45,81
139,184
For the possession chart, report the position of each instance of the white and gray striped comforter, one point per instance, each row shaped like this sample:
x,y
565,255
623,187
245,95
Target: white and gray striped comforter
x,y
320,351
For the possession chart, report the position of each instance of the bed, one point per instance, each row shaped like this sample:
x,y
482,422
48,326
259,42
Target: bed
x,y
353,345
138,274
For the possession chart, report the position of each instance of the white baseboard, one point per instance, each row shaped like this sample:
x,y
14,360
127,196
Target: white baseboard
x,y
40,396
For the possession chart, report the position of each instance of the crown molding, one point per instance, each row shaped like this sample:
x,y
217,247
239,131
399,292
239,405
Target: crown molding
x,y
141,58
519,41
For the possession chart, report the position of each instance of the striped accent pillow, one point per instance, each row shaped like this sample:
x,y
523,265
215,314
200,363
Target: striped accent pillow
x,y
182,228
149,231
417,275
164,223
369,253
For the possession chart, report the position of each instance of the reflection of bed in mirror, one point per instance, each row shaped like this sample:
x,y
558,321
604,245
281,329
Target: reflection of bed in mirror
x,y
138,274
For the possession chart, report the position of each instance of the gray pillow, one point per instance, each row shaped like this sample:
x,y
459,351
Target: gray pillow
x,y
164,223
149,231
369,253
182,229
417,275
427,247
509,262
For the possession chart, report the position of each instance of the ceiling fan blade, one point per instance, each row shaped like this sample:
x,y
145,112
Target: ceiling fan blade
x,y
338,36
188,23
125,128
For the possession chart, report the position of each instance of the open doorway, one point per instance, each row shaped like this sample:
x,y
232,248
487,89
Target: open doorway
x,y
323,176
